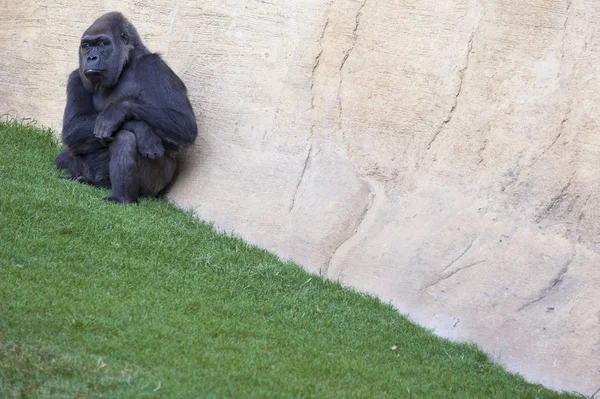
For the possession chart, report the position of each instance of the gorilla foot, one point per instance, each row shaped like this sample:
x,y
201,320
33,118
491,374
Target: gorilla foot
x,y
152,148
78,179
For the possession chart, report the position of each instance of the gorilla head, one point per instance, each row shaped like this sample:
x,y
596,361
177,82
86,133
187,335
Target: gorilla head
x,y
106,47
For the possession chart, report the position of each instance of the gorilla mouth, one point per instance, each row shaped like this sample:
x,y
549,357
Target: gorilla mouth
x,y
92,73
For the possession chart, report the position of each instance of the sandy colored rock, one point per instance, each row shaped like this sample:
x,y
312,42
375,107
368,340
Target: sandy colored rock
x,y
443,155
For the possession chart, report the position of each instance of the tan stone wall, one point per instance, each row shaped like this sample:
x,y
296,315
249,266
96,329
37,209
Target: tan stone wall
x,y
442,154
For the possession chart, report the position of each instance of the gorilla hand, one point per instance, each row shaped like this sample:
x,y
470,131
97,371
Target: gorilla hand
x,y
109,121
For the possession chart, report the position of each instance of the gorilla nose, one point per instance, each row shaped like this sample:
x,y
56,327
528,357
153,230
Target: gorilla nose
x,y
92,67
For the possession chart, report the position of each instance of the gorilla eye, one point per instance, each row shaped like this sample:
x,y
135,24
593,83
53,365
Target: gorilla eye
x,y
101,44
85,46
124,37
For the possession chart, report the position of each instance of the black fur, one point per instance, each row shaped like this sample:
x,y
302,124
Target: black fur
x,y
127,114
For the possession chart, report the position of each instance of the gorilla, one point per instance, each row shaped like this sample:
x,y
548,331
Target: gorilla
x,y
127,114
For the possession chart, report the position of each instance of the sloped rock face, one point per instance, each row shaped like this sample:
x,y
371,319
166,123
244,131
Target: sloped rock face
x,y
443,155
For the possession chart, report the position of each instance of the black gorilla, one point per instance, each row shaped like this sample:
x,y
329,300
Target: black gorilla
x,y
127,114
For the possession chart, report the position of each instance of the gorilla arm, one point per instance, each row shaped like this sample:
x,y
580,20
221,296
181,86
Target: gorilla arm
x,y
162,104
79,118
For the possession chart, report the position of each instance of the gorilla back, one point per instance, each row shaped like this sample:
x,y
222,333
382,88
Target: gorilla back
x,y
127,114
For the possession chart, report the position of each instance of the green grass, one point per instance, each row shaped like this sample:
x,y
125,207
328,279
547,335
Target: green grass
x,y
99,300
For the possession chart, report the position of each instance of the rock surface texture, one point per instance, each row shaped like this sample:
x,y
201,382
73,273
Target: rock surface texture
x,y
443,155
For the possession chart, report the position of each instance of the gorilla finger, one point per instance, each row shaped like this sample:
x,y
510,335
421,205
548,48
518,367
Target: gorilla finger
x,y
105,133
98,130
110,131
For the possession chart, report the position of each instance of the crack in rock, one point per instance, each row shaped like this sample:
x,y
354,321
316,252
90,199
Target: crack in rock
x,y
552,285
446,276
562,57
354,35
345,58
372,195
564,36
481,150
312,77
461,255
316,64
461,79
569,107
581,216
361,219
558,136
555,201
293,204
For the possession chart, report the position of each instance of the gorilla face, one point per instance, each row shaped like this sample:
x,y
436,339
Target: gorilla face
x,y
102,55
96,56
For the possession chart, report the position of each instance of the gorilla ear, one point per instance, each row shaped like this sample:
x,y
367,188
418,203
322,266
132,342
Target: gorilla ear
x,y
125,38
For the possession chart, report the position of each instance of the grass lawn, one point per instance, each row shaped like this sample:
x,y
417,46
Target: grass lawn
x,y
100,300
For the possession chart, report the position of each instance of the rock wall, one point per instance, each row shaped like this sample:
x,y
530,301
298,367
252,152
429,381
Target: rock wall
x,y
443,154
